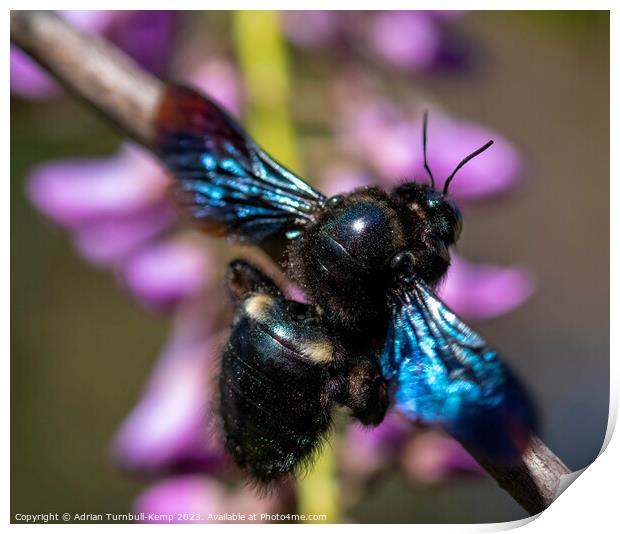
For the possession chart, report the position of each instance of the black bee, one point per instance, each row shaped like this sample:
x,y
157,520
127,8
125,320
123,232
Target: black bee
x,y
368,262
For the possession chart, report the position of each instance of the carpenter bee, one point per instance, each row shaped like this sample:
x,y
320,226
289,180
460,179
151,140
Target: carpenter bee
x,y
373,328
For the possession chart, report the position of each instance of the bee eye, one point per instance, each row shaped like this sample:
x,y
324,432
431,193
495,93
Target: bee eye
x,y
403,262
432,202
334,201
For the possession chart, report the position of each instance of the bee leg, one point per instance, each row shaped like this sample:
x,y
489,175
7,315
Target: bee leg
x,y
243,279
365,392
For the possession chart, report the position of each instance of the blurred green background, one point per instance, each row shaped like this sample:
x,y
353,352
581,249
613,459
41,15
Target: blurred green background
x,y
81,351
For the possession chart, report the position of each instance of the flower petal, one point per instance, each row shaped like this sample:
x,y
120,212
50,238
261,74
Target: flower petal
x,y
170,429
407,39
108,241
185,496
71,192
431,458
449,141
178,496
481,291
28,79
495,171
220,80
367,450
145,35
393,145
163,275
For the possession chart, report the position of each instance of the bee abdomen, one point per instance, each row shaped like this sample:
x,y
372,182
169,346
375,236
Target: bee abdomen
x,y
272,389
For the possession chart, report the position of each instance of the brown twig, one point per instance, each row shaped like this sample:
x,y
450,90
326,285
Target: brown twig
x,y
93,69
108,80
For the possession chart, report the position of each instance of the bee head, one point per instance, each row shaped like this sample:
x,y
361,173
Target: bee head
x,y
430,206
432,209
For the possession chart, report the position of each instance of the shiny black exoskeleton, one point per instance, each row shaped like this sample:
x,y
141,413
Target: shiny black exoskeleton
x,y
368,262
349,249
281,374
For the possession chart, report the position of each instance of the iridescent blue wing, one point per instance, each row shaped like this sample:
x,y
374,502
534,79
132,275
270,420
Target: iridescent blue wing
x,y
443,372
224,180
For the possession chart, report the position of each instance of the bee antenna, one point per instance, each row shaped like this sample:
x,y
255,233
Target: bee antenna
x,y
465,160
424,129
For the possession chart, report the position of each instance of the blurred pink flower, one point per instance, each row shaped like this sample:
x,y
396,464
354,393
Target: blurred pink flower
x,y
220,79
343,178
186,497
109,242
478,291
425,455
77,191
146,36
112,205
430,458
180,495
407,39
165,274
393,146
120,214
171,427
27,79
367,450
312,28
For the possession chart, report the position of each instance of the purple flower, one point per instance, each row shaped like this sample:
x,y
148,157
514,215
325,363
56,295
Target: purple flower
x,y
27,78
109,242
73,192
419,40
367,450
171,427
407,39
120,216
180,495
186,496
312,28
481,291
112,205
425,455
146,36
165,274
430,457
393,146
220,80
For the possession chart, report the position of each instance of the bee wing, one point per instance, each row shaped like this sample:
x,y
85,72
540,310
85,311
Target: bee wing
x,y
225,180
443,372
